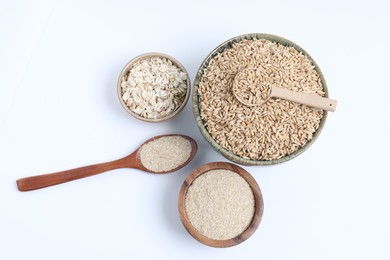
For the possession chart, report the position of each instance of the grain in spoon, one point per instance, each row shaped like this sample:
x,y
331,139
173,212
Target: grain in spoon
x,y
250,92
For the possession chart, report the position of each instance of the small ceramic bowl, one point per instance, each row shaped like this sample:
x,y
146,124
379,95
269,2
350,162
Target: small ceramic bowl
x,y
128,67
197,112
258,198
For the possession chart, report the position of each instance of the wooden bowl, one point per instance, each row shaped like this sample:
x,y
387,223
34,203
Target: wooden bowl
x,y
130,64
259,205
196,108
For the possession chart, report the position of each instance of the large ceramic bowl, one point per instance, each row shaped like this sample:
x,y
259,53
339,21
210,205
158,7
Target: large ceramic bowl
x,y
197,112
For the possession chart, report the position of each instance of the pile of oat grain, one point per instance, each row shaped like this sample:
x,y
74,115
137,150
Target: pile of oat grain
x,y
278,127
154,88
249,88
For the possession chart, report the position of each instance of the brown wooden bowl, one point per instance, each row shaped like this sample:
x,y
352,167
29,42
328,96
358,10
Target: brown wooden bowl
x,y
259,204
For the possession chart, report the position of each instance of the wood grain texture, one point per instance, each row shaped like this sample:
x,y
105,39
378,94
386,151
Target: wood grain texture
x,y
259,204
46,180
130,161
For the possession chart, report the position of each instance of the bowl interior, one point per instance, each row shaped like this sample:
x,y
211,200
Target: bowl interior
x,y
196,109
259,204
126,70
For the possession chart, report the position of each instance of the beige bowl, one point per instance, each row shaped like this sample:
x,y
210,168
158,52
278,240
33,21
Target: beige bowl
x,y
196,108
126,70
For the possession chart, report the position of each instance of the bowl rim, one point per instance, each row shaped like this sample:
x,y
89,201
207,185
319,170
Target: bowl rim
x,y
257,194
144,56
196,109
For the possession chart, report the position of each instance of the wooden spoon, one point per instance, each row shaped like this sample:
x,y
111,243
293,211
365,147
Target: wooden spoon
x,y
130,161
250,92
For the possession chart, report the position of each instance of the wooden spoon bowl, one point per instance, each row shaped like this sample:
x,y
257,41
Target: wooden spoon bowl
x,y
258,213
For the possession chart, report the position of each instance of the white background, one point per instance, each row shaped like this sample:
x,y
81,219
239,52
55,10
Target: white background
x,y
59,63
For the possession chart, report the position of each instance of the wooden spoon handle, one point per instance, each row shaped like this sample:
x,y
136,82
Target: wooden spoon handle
x,y
305,99
46,180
